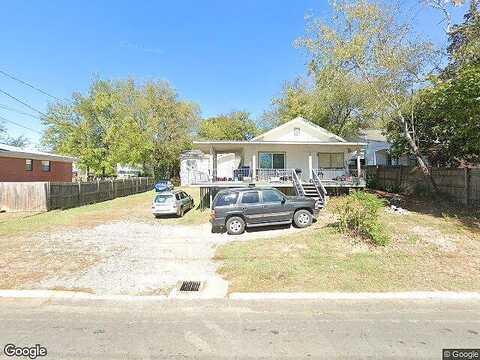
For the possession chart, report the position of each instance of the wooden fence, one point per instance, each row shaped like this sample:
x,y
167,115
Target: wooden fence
x,y
44,196
461,185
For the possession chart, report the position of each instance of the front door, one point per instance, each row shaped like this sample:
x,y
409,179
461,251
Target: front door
x,y
274,207
251,207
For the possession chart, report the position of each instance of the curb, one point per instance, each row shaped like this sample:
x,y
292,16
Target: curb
x,y
412,295
74,295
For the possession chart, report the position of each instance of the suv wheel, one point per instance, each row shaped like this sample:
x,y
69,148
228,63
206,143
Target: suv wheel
x,y
181,212
302,218
235,225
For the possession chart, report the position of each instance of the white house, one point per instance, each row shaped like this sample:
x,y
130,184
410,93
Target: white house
x,y
297,154
271,157
377,149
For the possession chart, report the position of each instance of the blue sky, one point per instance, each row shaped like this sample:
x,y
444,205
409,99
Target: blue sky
x,y
224,55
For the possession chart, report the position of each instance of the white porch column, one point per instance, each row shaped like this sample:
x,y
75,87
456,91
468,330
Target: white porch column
x,y
359,166
254,166
213,164
310,166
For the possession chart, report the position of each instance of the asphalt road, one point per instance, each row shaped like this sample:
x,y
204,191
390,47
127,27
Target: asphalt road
x,y
240,329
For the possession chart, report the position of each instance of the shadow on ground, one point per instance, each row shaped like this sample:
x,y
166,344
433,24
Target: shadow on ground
x,y
440,208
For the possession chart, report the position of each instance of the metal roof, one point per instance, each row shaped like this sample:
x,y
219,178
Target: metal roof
x,y
16,152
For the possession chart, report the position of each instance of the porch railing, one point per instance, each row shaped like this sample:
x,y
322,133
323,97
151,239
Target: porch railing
x,y
274,175
332,173
199,177
242,174
319,187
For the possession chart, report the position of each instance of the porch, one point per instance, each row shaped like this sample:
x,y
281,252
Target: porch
x,y
330,177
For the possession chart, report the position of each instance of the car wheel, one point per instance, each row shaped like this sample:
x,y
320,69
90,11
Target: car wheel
x,y
181,212
157,216
235,225
302,218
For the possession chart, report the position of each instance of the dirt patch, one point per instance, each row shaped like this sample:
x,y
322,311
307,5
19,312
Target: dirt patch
x,y
435,237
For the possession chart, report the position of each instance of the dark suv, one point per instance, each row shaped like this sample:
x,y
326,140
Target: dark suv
x,y
236,209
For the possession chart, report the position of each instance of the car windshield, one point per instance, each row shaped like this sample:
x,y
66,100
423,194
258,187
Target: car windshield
x,y
163,198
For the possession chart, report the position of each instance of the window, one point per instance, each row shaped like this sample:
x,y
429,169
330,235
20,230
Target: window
x,y
331,160
250,197
272,160
46,165
271,196
226,199
28,165
161,199
296,131
177,196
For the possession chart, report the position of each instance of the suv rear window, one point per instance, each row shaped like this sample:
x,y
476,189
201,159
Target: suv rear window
x,y
162,198
226,199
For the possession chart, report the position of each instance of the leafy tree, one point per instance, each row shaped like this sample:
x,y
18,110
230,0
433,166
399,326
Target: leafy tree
x,y
334,101
236,125
464,40
20,141
447,112
123,122
447,119
366,40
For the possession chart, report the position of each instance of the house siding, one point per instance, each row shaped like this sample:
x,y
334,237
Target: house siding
x,y
296,156
13,169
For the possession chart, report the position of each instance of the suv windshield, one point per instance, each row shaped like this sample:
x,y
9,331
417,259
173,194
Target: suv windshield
x,y
226,199
162,198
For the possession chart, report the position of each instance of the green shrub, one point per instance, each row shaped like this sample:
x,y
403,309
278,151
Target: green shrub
x,y
358,215
372,182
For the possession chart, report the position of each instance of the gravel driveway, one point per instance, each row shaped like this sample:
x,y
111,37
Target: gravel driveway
x,y
144,258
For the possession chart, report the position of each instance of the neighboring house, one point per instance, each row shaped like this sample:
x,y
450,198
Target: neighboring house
x,y
21,165
292,155
127,171
194,164
377,150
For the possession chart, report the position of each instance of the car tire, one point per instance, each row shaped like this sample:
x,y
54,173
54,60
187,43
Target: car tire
x,y
302,218
157,216
181,212
235,225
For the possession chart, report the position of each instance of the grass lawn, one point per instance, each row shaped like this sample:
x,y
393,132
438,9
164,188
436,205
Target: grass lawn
x,y
134,207
433,247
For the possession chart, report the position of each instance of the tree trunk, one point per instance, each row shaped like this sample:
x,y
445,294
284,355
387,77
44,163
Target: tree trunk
x,y
420,160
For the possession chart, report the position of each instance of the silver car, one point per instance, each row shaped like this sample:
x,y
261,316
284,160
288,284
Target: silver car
x,y
173,202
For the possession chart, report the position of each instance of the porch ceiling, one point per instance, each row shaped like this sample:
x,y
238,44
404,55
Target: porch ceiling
x,y
235,146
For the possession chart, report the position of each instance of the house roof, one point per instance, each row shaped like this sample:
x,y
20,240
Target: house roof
x,y
16,152
282,135
314,131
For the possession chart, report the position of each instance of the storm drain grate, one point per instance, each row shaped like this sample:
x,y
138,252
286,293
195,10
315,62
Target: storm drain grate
x,y
190,286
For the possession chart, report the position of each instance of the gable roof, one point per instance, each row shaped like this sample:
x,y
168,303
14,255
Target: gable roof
x,y
314,131
16,152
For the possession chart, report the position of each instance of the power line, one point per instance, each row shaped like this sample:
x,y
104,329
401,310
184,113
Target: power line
x,y
22,102
29,85
20,125
8,108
